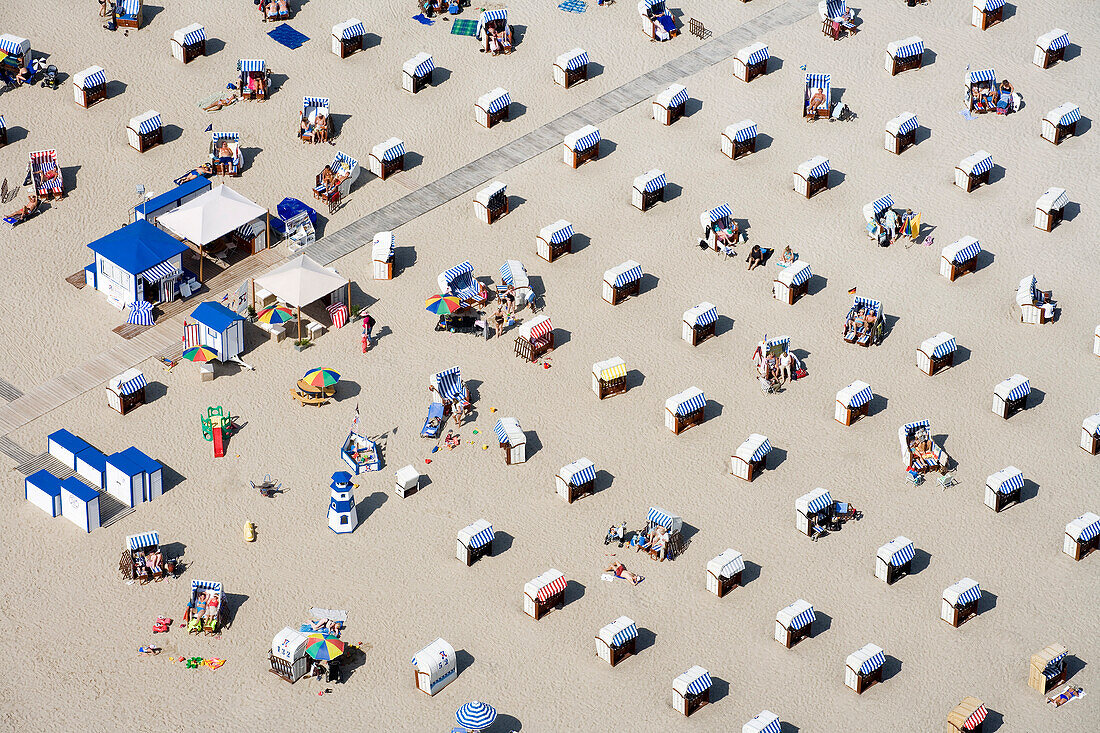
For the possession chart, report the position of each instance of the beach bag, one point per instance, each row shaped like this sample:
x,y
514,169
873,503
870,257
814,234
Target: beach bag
x,y
799,373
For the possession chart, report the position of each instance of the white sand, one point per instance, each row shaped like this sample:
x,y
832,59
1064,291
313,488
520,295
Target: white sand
x,y
74,624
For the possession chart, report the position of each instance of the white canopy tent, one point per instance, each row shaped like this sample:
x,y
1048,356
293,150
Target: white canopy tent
x,y
300,282
214,214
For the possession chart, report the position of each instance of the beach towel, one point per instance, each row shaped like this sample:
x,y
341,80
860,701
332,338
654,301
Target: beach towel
x,y
423,19
573,6
287,36
330,614
463,27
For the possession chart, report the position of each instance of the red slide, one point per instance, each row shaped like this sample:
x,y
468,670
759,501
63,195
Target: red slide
x,y
219,443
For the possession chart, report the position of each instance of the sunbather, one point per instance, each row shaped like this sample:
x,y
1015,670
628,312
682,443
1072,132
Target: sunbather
x,y
452,441
756,257
788,257
621,572
320,129
657,548
727,235
816,102
1069,694
23,213
220,103
326,626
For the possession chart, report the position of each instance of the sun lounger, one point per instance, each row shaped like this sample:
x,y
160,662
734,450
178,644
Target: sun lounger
x,y
435,413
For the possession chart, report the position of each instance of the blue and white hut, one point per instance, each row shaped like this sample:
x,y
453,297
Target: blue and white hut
x,y
576,479
621,281
691,690
817,95
90,86
1002,489
347,37
64,446
1050,208
1050,48
648,189
875,209
126,480
739,139
936,353
447,387
253,78
794,623
901,133
91,465
751,62
1082,536
571,68
1090,429
657,22
342,515
724,572
894,560
288,657
491,202
17,51
763,722
497,21
1061,122
43,489
669,105
554,240
345,171
316,116
792,282
151,470
1010,396
960,601
812,177
973,170
153,207
987,13
863,668
512,440
382,254
475,541
916,432
80,503
189,42
979,85
852,402
616,641
699,323
751,457
865,322
1036,306
459,281
959,258
416,73
685,409
145,131
904,55
492,107
436,666
581,146
813,511
219,329
136,262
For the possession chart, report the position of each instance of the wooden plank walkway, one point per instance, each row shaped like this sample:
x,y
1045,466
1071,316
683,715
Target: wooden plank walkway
x,y
9,391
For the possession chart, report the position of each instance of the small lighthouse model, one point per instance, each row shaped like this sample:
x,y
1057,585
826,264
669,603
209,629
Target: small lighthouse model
x,y
341,507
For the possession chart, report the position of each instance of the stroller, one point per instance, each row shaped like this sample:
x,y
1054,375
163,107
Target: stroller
x,y
50,77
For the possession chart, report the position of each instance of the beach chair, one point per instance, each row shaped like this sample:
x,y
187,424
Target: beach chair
x,y
194,626
433,424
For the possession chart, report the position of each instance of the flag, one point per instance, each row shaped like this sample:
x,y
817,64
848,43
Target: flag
x,y
914,226
208,128
851,291
355,420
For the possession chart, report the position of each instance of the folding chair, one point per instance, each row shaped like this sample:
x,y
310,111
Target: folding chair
x,y
947,480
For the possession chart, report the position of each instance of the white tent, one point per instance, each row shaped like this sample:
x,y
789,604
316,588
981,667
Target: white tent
x,y
214,214
302,281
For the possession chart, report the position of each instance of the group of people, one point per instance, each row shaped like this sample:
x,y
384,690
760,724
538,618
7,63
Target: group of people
x,y
925,455
148,565
202,612
314,127
860,323
328,184
498,37
432,7
777,370
994,98
654,540
274,8
888,226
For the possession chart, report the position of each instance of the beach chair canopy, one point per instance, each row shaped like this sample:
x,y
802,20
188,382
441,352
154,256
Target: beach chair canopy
x,y
796,615
514,274
906,48
509,432
1013,388
831,9
545,585
619,631
14,45
448,384
625,273
495,100
822,82
128,382
232,137
1085,528
981,75
855,395
488,16
419,65
897,551
650,181
816,501
755,447
1006,480
391,149
1051,660
907,430
741,131
1091,424
675,95
1052,199
692,682
289,645
211,215
720,213
146,123
795,275
668,520
939,345
977,164
726,565
763,722
753,54
382,247
778,345
963,592
3,124
247,65
613,368
988,5
1025,291
876,207
484,195
205,586
189,35
557,232
570,60
903,124
536,328
311,104
301,281
968,714
815,167
583,138
344,165
459,279
687,402
352,28
141,541
703,314
93,76
866,660
578,473
1064,114
1053,41
138,247
427,659
476,535
655,5
962,250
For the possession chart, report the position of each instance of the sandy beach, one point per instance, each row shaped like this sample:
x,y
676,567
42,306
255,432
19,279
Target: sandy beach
x,y
76,624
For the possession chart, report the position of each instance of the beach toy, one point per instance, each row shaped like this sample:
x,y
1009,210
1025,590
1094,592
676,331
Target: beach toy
x,y
484,447
475,432
249,532
492,409
435,448
427,460
194,662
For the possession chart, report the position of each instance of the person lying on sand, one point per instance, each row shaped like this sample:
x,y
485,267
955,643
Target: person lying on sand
x,y
1069,694
220,103
621,572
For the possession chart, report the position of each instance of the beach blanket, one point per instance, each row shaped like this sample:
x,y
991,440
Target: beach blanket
x,y
225,98
330,614
464,27
573,6
287,36
423,19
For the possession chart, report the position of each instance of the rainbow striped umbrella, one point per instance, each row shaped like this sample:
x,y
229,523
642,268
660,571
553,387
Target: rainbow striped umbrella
x,y
324,649
321,377
442,304
199,353
275,314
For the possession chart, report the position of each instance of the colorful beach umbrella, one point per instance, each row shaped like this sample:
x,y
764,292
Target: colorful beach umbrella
x,y
199,353
442,304
141,313
476,715
275,314
324,649
321,377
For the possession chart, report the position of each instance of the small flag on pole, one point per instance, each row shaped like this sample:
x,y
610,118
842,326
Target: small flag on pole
x,y
355,420
852,291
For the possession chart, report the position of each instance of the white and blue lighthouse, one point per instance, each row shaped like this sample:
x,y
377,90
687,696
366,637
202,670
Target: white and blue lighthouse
x,y
342,518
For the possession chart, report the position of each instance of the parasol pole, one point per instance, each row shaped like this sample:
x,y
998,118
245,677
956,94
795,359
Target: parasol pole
x,y
299,323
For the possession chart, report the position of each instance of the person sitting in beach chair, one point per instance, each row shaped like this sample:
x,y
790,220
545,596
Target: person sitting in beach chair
x,y
845,512
616,534
23,213
817,105
434,422
639,541
498,37
817,530
195,612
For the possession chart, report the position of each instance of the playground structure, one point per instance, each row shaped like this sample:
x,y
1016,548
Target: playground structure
x,y
217,427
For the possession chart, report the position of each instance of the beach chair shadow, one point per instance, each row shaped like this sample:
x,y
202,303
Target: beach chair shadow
x,y
607,147
646,639
763,141
171,133
962,354
534,445
603,481
516,110
68,174
368,505
724,324
816,284
997,172
213,45
561,337
920,561
1036,398
993,721
275,82
502,542
1072,51
921,134
788,728
1073,666
648,282
514,202
890,667
463,661
775,458
16,133
595,69
115,88
877,404
719,688
672,191
231,603
370,40
713,409
148,12
403,259
836,178
987,603
750,573
579,242
634,378
822,623
574,591
692,106
929,58
1072,208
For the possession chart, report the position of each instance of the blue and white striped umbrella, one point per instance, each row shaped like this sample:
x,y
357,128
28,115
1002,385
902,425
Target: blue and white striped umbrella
x,y
395,152
980,75
908,125
149,125
194,37
584,143
132,385
581,59
476,715
720,212
655,184
699,684
658,516
944,349
244,65
562,234
875,661
482,538
499,103
308,102
352,31
806,617
916,48
760,54
138,541
141,313
745,133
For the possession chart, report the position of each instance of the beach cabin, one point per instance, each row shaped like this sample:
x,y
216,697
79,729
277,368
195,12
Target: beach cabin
x,y
382,254
288,657
134,563
345,171
657,22
554,240
581,146
492,107
904,55
80,503
959,258
649,188
1010,396
1036,306
571,68
43,489
739,139
316,117
360,454
1090,428
1002,489
544,592
343,517
616,641
852,402
347,37
763,722
447,387
387,158
475,541
792,282
812,177
219,329
1082,536
685,410
873,210
514,275
408,481
813,512
863,668
967,716
226,157
669,105
1061,122
1050,48
691,690
125,480
973,170
436,666
724,572
152,473
512,440
1048,668
91,464
126,391
894,560
794,623
1050,208
534,338
189,42
576,479
153,207
609,377
254,76
720,218
936,353
90,86
699,322
416,73
459,281
621,282
63,445
817,96
128,13
901,133
751,62
960,601
16,52
751,457
491,202
145,131
833,15
987,13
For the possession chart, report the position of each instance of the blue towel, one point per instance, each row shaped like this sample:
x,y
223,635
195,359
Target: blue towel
x,y
423,19
287,36
667,23
573,6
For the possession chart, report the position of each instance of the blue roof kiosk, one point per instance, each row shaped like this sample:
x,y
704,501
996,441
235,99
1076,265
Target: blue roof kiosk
x,y
64,446
92,465
80,503
43,489
125,480
219,328
136,262
150,209
154,472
